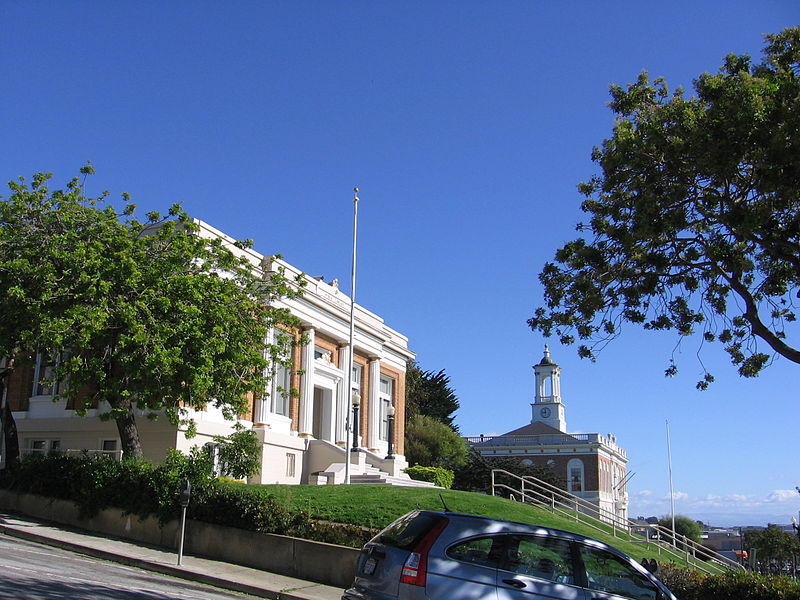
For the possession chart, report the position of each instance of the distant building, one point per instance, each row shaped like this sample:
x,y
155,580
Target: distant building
x,y
303,436
593,465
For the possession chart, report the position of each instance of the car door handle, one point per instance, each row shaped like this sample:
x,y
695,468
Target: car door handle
x,y
514,583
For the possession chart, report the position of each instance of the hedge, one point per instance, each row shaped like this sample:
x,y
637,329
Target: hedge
x,y
733,585
142,488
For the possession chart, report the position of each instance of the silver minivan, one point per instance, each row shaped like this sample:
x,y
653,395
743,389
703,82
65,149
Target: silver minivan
x,y
451,556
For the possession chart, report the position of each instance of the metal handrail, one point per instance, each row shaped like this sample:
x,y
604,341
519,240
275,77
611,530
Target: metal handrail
x,y
663,540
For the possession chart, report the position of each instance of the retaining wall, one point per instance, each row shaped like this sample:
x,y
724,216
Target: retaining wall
x,y
305,559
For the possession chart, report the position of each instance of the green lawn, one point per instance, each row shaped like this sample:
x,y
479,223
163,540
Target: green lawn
x,y
376,506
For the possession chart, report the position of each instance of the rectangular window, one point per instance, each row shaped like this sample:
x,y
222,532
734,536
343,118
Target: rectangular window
x,y
356,385
281,384
575,479
45,383
385,399
42,447
290,464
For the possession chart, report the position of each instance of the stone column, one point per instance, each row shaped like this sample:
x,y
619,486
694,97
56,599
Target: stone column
x,y
343,396
262,400
306,425
374,410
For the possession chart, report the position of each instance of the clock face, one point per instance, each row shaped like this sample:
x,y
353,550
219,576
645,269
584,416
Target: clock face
x,y
545,412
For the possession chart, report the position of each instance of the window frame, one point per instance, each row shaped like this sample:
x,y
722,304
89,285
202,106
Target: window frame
x,y
622,561
45,361
572,464
280,383
385,399
513,540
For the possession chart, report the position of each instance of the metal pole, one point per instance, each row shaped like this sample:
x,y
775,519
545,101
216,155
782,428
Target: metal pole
x,y
348,424
183,530
671,494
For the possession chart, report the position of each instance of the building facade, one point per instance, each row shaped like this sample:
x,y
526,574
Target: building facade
x,y
303,434
594,466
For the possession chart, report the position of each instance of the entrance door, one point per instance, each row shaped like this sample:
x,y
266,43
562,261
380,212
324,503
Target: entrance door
x,y
323,412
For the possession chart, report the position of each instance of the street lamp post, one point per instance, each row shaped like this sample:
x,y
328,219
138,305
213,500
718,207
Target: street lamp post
x,y
356,403
390,418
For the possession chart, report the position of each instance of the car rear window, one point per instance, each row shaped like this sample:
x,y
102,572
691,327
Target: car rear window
x,y
406,531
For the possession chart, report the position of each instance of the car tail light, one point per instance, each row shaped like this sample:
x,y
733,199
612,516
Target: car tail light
x,y
415,569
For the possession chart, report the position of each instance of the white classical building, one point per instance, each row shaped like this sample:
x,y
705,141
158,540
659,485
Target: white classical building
x,y
594,466
303,436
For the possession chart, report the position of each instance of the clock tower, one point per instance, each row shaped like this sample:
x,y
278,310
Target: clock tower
x,y
547,406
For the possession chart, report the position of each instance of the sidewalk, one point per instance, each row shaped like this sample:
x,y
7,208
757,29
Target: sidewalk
x,y
218,574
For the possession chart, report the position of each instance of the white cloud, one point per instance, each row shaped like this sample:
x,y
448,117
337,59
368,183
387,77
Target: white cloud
x,y
783,496
777,506
678,496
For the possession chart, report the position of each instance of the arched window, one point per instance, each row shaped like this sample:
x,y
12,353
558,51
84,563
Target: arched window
x,y
575,481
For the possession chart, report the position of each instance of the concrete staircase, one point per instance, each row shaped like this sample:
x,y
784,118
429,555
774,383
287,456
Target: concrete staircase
x,y
328,466
374,476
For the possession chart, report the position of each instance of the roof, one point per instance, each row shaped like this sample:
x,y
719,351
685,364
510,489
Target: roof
x,y
537,428
546,360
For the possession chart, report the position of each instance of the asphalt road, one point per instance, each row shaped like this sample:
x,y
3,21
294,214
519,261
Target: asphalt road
x,y
34,572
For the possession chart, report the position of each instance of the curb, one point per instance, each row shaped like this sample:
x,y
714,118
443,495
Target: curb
x,y
148,565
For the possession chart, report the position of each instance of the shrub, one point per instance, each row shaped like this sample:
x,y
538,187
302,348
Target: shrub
x,y
436,475
142,488
738,585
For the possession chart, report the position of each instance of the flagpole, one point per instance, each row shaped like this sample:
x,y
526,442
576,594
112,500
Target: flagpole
x,y
348,422
671,493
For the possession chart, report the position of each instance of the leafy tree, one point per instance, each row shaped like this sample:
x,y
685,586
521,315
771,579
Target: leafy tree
x,y
684,526
476,474
771,544
239,452
430,394
431,443
695,220
144,315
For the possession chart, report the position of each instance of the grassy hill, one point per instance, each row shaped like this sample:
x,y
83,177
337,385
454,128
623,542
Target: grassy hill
x,y
375,506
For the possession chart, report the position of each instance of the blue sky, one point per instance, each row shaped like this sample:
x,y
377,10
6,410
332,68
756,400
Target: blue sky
x,y
467,126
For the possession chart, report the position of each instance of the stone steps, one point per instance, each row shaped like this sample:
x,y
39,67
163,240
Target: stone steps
x,y
368,475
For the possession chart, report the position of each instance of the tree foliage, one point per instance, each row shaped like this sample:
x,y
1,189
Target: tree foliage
x,y
685,526
431,443
239,452
144,315
771,544
430,394
476,474
695,218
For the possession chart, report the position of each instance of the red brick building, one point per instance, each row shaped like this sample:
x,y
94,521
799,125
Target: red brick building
x,y
593,465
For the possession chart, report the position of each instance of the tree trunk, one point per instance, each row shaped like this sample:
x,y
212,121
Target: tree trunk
x,y
9,425
10,437
128,431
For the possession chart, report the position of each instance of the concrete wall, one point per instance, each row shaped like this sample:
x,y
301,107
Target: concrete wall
x,y
313,561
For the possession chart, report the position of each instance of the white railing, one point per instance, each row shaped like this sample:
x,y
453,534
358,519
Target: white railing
x,y
658,539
